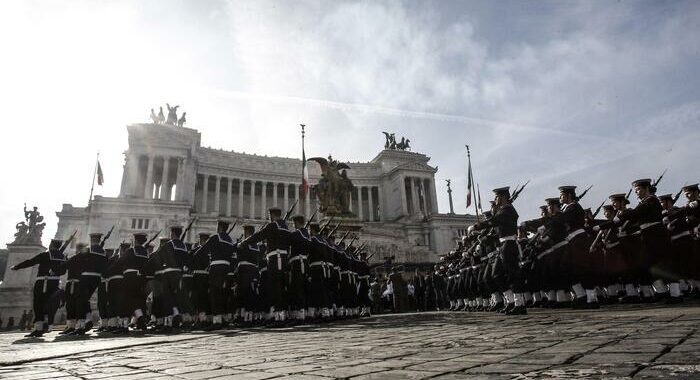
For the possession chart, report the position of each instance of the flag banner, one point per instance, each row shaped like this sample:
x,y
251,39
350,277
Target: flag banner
x,y
100,177
304,168
469,184
478,202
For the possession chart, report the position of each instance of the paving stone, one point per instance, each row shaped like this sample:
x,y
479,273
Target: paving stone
x,y
396,374
686,371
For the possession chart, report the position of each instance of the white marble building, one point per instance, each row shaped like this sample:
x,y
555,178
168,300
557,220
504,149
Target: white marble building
x,y
170,178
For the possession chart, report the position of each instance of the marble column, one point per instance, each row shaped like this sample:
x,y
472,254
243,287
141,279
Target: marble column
x,y
286,195
205,193
252,199
148,191
307,203
414,195
359,203
217,191
433,196
424,200
370,200
164,188
274,194
263,194
241,181
229,198
404,197
380,205
350,203
179,180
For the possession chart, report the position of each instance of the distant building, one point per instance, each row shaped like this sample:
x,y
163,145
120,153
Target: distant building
x,y
170,178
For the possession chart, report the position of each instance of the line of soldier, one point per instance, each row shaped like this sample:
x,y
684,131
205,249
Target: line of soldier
x,y
567,258
276,276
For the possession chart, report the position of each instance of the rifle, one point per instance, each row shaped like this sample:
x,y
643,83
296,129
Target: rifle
x,y
627,197
678,195
517,192
291,209
598,209
335,229
232,227
308,222
104,239
153,238
67,242
325,225
583,194
184,233
659,179
359,249
344,236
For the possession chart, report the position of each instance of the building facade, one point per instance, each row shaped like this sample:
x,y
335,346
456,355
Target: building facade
x,y
169,178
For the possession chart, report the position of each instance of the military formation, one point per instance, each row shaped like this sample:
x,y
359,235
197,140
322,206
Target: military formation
x,y
568,258
277,276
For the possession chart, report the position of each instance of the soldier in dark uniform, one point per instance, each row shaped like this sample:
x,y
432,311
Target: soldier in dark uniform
x,y
114,289
184,295
132,264
200,283
102,301
505,222
680,249
690,215
614,265
363,288
318,298
300,243
278,238
73,267
219,248
93,268
247,277
45,286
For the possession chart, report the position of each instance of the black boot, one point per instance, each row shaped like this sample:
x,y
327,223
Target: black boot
x,y
516,310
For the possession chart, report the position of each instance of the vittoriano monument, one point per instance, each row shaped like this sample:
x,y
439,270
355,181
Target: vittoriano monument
x,y
334,188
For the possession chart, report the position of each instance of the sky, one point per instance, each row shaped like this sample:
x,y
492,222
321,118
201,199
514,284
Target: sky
x,y
560,93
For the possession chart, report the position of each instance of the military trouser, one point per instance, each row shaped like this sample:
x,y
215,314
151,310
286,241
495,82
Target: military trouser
x,y
200,292
134,286
247,282
184,296
88,285
72,294
45,301
296,291
102,301
510,257
171,289
218,284
116,300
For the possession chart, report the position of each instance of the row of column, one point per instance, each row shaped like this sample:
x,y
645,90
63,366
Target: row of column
x,y
419,195
159,187
257,205
374,214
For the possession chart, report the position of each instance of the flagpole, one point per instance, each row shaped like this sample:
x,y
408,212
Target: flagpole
x,y
92,187
471,180
303,164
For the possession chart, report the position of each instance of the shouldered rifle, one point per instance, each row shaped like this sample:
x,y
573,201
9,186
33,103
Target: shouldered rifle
x,y
517,192
67,242
325,225
678,195
583,194
344,236
291,209
232,227
335,229
360,248
308,222
659,179
153,238
189,226
627,197
104,239
352,241
598,209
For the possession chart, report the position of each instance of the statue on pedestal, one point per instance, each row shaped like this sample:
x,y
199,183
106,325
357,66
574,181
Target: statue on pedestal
x,y
30,230
391,144
172,114
334,188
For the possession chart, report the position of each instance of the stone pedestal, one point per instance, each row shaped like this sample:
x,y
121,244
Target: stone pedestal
x,y
16,287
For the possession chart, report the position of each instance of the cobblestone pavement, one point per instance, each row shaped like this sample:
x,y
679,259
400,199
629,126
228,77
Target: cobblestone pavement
x,y
615,342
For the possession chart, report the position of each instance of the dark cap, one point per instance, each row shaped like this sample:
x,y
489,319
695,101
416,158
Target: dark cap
x,y
124,246
249,229
96,235
619,197
644,182
222,223
177,230
543,207
567,189
666,197
552,201
299,219
502,191
275,211
690,188
204,235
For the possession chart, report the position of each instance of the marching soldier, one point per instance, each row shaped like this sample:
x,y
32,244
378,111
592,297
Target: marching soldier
x,y
93,268
219,248
690,214
248,276
318,297
45,286
200,283
300,243
278,238
133,263
73,267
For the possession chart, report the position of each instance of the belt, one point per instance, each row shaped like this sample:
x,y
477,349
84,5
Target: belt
x,y
507,238
188,275
132,271
680,235
278,253
647,225
575,233
246,263
220,262
364,277
45,280
93,274
552,249
301,259
115,277
200,271
167,270
612,245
